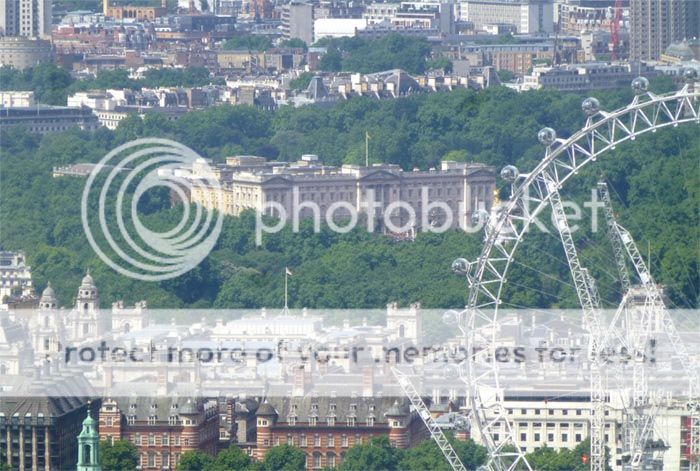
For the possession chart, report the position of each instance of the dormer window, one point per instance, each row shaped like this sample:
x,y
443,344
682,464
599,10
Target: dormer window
x,y
152,419
370,421
131,419
351,421
172,420
313,420
331,421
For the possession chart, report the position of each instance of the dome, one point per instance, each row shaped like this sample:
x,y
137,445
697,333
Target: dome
x,y
266,409
681,50
87,280
48,294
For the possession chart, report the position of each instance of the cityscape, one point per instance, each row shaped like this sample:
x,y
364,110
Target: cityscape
x,y
297,235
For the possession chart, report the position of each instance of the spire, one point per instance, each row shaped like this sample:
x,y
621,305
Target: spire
x,y
89,445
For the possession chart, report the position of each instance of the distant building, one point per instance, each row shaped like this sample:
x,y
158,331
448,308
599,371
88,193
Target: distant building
x,y
131,12
22,53
528,16
655,24
337,27
15,275
161,428
12,98
584,77
464,188
298,22
26,18
45,119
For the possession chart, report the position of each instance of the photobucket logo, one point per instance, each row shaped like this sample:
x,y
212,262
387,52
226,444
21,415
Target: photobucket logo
x,y
397,217
139,252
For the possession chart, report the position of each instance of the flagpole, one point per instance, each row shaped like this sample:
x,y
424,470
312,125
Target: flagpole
x,y
286,309
366,149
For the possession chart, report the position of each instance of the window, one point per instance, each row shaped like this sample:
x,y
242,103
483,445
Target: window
x,y
344,441
165,458
290,440
109,421
550,437
565,437
177,440
578,411
172,420
351,421
151,420
313,421
331,440
151,440
317,460
523,437
131,419
317,440
565,412
165,440
370,421
151,459
523,411
537,411
537,437
496,437
331,421
303,441
330,460
551,411
137,440
578,438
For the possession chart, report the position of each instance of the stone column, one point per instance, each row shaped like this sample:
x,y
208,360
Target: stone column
x,y
47,449
9,446
35,458
21,446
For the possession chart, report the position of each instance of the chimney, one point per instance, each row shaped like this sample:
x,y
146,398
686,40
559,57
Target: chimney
x,y
367,381
162,381
299,382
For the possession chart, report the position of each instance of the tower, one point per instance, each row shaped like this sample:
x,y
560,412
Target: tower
x,y
266,416
46,327
89,446
398,416
86,321
406,323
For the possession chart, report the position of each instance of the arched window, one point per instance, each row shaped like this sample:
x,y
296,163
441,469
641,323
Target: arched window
x,y
330,459
317,462
86,454
46,322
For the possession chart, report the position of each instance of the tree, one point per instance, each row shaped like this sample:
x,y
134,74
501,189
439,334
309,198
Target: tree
x,y
195,460
232,458
122,455
284,458
505,75
294,43
249,42
375,455
301,82
440,63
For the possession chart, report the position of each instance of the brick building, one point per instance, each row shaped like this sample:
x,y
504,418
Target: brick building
x,y
326,427
162,428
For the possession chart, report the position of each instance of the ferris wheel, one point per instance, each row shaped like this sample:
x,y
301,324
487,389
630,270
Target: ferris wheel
x,y
508,225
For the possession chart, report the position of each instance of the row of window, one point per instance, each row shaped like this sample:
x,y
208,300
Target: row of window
x,y
152,440
316,441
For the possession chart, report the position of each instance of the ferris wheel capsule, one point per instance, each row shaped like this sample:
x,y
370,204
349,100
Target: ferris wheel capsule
x,y
590,106
510,173
547,136
461,266
640,85
690,74
450,317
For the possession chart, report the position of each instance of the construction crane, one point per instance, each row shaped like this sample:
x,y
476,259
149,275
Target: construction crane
x,y
615,30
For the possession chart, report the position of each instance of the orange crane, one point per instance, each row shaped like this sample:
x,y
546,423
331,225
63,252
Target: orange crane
x,y
615,30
